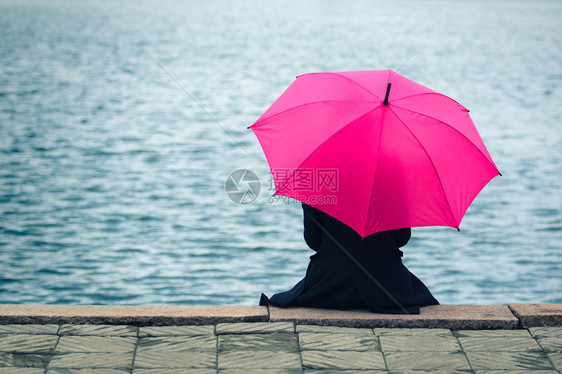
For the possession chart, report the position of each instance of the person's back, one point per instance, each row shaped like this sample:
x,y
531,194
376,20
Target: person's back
x,y
350,272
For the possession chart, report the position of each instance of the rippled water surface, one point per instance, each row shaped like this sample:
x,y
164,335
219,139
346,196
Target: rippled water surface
x,y
112,177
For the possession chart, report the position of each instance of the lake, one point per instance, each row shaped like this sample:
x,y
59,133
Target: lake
x,y
121,121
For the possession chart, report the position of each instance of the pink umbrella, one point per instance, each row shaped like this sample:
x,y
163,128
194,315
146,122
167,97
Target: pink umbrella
x,y
374,150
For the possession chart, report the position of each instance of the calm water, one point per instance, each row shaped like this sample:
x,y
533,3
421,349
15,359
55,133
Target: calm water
x,y
112,178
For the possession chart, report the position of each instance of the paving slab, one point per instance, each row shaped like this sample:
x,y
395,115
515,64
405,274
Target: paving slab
x,y
167,359
79,343
418,340
509,360
532,315
313,340
323,371
546,332
92,360
255,328
100,330
435,371
420,360
24,360
334,329
497,340
426,332
549,338
367,360
87,371
556,359
145,315
29,329
193,330
275,342
259,360
202,343
260,371
21,371
22,343
516,371
175,371
553,345
492,333
435,316
338,342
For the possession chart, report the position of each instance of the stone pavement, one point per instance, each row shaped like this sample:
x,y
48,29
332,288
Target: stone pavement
x,y
295,346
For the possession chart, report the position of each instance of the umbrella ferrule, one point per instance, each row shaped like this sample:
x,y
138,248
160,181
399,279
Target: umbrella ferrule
x,y
385,102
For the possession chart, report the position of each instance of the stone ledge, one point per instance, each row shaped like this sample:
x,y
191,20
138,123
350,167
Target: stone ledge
x,y
144,315
454,317
534,315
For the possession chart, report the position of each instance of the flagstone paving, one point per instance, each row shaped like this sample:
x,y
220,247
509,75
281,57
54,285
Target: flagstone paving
x,y
274,347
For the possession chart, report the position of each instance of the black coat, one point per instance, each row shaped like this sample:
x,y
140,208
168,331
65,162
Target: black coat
x,y
348,272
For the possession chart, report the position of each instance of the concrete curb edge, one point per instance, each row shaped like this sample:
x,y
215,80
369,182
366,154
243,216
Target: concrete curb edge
x,y
456,317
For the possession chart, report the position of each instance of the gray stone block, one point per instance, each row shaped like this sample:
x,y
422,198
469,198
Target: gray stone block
x,y
323,371
546,332
509,360
254,328
21,371
175,371
259,360
334,330
549,338
260,371
22,343
277,342
338,342
425,332
556,359
203,343
497,340
29,329
87,371
343,360
517,371
165,359
429,361
100,330
92,360
418,340
25,360
145,331
81,343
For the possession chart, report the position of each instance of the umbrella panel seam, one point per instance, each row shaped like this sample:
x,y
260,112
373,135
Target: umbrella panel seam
x,y
458,131
352,81
325,141
376,172
259,123
431,93
432,164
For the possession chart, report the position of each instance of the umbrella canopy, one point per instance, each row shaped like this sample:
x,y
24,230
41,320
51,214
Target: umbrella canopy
x,y
375,150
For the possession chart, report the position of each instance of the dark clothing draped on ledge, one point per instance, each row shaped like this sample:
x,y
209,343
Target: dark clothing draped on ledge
x,y
374,279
